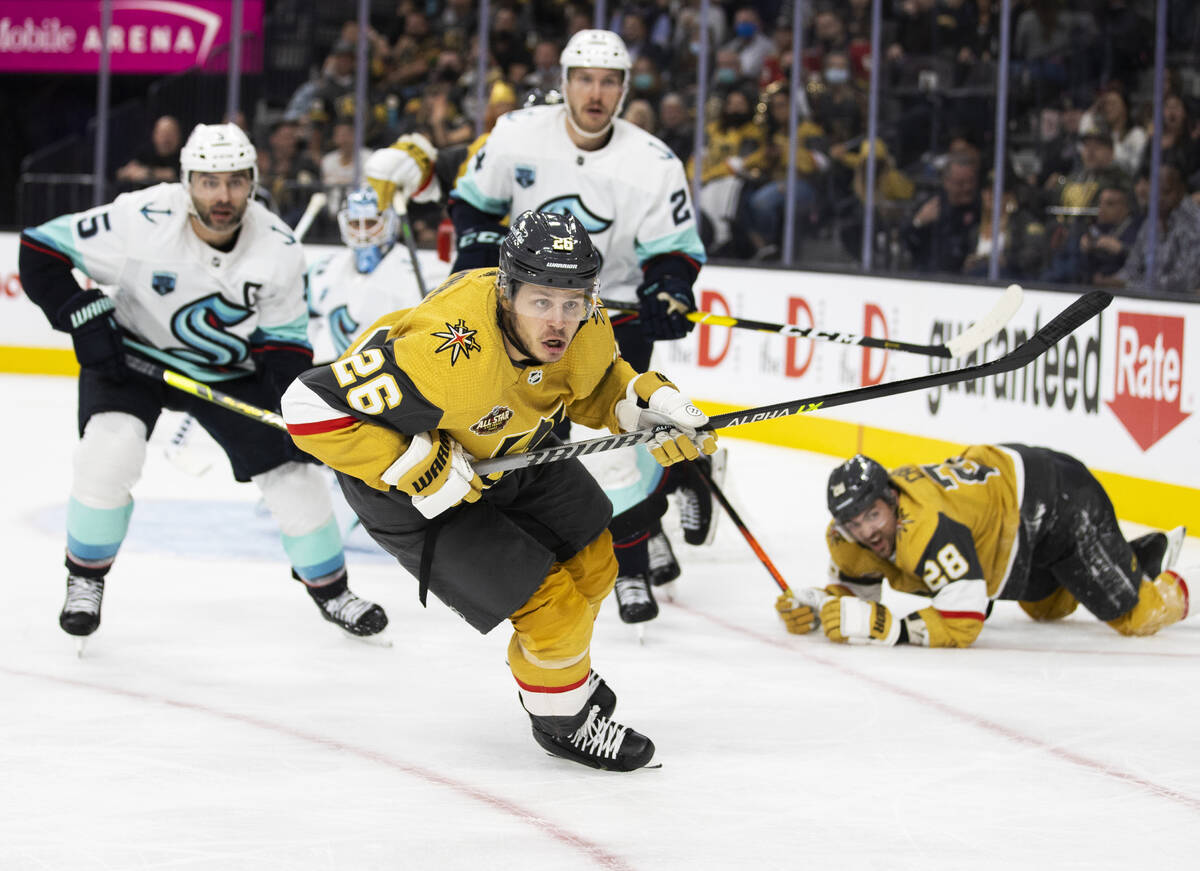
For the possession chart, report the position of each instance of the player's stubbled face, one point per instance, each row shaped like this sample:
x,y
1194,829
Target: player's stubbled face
x,y
546,319
592,97
875,528
221,198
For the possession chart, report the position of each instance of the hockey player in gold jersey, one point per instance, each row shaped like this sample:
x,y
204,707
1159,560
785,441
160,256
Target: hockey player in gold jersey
x,y
995,522
486,365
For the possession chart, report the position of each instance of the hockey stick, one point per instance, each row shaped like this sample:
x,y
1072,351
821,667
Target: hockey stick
x,y
315,203
1076,314
410,241
201,390
964,343
742,528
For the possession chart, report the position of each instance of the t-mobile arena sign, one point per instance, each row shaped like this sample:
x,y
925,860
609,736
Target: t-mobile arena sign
x,y
146,36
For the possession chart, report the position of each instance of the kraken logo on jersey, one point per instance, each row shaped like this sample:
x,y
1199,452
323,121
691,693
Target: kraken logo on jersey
x,y
573,204
459,340
162,282
525,176
199,325
342,328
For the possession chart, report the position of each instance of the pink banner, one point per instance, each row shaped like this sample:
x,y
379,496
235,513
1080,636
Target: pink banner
x,y
146,36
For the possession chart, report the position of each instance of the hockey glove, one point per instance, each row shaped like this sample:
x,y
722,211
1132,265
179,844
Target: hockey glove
x,y
663,305
94,331
404,169
651,401
436,471
848,619
800,610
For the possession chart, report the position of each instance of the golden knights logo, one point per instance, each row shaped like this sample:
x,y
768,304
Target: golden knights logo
x,y
492,422
459,339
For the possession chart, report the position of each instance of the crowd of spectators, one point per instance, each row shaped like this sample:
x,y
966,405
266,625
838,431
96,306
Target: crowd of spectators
x,y
1075,178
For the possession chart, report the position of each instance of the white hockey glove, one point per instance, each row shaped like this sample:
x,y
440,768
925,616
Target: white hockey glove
x,y
851,620
405,170
436,471
800,610
651,400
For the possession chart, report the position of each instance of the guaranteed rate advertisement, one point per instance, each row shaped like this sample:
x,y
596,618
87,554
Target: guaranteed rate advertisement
x,y
1119,392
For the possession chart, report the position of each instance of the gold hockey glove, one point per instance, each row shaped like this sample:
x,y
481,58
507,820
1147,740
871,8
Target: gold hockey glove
x,y
651,400
850,620
800,610
436,471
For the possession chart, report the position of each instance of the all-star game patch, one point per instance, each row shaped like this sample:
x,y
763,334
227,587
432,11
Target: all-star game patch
x,y
459,339
493,421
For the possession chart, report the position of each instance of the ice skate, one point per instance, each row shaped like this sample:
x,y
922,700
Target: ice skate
x,y
80,615
663,567
1158,552
359,617
599,743
635,602
601,695
695,501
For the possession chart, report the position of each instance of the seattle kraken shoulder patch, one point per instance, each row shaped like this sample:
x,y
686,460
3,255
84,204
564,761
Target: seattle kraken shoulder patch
x,y
525,176
162,282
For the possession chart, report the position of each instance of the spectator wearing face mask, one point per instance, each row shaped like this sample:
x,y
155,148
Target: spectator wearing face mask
x,y
727,72
838,106
752,46
645,80
734,152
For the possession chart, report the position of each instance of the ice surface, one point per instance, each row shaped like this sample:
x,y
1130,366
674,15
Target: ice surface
x,y
216,722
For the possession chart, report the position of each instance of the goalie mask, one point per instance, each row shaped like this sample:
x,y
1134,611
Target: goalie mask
x,y
855,485
367,230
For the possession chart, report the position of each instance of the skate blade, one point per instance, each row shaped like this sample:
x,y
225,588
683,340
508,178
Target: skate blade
x,y
651,765
81,645
376,640
1174,545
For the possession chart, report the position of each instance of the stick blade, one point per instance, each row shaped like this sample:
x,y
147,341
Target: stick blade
x,y
987,326
1071,318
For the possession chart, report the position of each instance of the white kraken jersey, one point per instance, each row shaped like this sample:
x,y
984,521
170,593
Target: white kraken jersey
x,y
631,195
184,302
342,300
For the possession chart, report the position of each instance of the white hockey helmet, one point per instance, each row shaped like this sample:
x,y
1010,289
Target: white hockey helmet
x,y
218,148
596,49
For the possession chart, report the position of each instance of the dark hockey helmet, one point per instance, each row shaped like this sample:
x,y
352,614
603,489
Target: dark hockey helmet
x,y
549,249
855,485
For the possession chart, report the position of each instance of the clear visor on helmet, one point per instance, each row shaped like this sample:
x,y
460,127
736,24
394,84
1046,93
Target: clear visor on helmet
x,y
556,304
366,230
